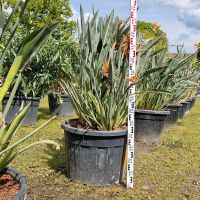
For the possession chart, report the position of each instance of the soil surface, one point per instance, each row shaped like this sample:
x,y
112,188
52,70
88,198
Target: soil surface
x,y
8,187
76,123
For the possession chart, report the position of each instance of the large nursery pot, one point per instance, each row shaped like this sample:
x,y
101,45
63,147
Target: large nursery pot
x,y
174,114
18,177
31,115
149,125
94,157
61,109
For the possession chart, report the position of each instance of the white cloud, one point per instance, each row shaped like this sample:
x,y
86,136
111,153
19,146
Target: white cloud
x,y
186,28
189,11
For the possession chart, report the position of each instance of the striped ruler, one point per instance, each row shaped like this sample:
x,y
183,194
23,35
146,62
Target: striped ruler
x,y
131,104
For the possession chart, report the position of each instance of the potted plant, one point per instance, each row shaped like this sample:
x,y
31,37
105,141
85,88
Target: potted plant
x,y
152,94
42,76
64,63
10,149
96,141
162,91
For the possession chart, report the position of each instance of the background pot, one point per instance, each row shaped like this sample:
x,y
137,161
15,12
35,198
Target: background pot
x,y
190,101
182,111
193,101
174,114
31,115
149,125
65,109
186,108
94,157
21,195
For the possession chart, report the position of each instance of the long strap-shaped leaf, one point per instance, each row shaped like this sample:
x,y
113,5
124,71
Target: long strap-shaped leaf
x,y
7,133
26,137
28,49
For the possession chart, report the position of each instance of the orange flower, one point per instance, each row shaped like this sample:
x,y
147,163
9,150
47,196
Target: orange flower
x,y
134,78
125,44
155,26
105,67
197,45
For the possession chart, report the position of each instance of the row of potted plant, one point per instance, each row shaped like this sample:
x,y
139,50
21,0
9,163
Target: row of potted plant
x,y
96,141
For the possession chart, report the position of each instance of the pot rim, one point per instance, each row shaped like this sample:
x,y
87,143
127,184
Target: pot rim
x,y
63,95
21,97
21,179
185,102
152,112
90,132
174,105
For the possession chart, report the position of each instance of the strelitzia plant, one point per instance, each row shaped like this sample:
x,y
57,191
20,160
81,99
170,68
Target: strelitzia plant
x,y
99,94
159,89
8,149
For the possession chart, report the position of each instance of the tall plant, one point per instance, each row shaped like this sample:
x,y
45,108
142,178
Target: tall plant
x,y
100,93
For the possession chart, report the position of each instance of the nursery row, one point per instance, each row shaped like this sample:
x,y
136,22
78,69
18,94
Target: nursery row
x,y
96,141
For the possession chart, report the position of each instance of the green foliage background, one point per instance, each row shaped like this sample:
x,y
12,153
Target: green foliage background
x,y
147,31
46,12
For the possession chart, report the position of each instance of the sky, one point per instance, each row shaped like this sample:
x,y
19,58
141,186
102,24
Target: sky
x,y
180,19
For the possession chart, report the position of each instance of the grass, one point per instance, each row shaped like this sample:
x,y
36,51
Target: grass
x,y
171,171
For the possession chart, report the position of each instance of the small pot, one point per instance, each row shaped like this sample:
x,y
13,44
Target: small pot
x,y
174,114
61,109
94,157
18,177
31,115
149,125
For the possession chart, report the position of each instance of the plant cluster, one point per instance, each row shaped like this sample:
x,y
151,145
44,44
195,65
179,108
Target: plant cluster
x,y
172,81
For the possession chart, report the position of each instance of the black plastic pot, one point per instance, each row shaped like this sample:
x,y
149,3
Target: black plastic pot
x,y
182,110
65,109
193,101
149,125
94,157
190,101
21,195
174,114
186,108
31,115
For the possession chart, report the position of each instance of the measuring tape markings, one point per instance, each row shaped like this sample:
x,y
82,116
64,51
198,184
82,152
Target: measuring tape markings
x,y
131,104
